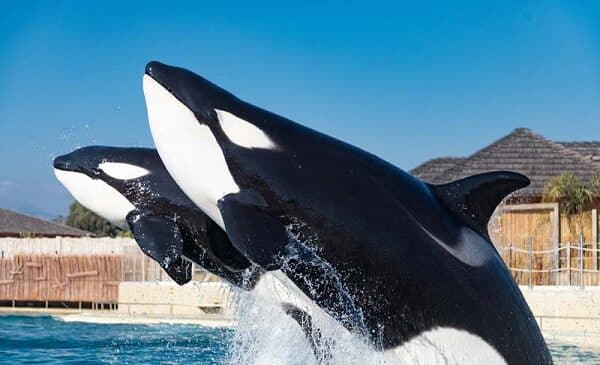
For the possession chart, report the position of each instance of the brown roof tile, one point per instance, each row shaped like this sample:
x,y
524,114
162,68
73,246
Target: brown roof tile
x,y
13,224
429,170
525,152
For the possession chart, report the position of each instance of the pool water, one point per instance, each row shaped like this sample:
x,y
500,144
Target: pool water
x,y
44,340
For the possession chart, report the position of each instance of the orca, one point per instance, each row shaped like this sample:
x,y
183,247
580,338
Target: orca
x,y
396,261
131,186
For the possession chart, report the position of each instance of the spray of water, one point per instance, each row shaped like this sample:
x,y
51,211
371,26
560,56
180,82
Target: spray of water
x,y
265,334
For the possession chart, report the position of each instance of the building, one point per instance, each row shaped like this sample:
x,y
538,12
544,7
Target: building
x,y
540,244
521,151
13,224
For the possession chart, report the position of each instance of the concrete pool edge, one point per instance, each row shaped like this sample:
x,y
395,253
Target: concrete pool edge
x,y
101,318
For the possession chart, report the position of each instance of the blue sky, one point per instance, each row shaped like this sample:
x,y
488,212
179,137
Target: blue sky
x,y
406,82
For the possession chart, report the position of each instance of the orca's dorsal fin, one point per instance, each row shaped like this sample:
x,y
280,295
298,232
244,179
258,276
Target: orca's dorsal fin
x,y
475,198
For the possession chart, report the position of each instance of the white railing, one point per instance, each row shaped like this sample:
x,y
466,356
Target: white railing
x,y
572,264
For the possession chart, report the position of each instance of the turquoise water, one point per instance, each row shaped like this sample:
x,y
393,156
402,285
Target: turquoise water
x,y
44,340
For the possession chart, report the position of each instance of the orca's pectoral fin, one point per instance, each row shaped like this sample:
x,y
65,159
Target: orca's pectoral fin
x,y
313,335
475,198
160,239
260,237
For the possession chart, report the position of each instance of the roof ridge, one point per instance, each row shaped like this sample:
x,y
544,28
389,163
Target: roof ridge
x,y
44,221
579,142
444,158
563,150
489,146
581,157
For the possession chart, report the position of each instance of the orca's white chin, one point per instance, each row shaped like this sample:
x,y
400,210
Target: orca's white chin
x,y
97,196
188,149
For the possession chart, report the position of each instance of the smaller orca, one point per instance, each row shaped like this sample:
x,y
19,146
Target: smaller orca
x,y
131,186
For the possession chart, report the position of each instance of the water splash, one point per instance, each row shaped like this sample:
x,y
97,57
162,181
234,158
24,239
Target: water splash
x,y
265,334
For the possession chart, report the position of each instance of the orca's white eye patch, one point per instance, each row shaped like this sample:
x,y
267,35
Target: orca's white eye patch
x,y
123,171
243,133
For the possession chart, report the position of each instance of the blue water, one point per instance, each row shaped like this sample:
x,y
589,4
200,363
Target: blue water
x,y
44,340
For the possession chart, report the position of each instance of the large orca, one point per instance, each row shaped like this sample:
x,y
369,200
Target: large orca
x,y
396,261
130,186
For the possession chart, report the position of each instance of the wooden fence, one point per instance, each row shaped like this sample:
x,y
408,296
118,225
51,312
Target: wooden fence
x,y
74,269
532,239
72,278
544,247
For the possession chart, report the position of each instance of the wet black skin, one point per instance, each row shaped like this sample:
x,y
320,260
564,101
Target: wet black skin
x,y
158,200
371,249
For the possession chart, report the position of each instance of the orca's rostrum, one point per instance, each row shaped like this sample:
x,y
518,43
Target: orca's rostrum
x,y
393,259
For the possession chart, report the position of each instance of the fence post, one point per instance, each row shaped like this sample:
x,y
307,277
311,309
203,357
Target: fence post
x,y
530,248
569,262
594,239
581,285
556,241
123,266
510,257
143,269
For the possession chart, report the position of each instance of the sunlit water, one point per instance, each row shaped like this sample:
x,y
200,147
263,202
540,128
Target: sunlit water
x,y
45,340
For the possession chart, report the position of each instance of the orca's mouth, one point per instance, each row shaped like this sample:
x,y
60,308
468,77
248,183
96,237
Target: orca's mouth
x,y
159,72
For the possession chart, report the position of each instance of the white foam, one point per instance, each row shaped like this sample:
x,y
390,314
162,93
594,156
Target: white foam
x,y
266,335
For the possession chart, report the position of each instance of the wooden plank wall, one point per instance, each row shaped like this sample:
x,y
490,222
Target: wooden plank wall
x,y
75,269
69,278
135,265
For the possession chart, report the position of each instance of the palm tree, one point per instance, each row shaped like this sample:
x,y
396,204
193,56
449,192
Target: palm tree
x,y
572,195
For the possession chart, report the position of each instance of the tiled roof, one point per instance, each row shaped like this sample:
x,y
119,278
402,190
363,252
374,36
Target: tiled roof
x,y
589,150
13,224
435,167
525,152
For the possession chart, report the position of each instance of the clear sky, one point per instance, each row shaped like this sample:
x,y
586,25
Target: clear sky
x,y
406,82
